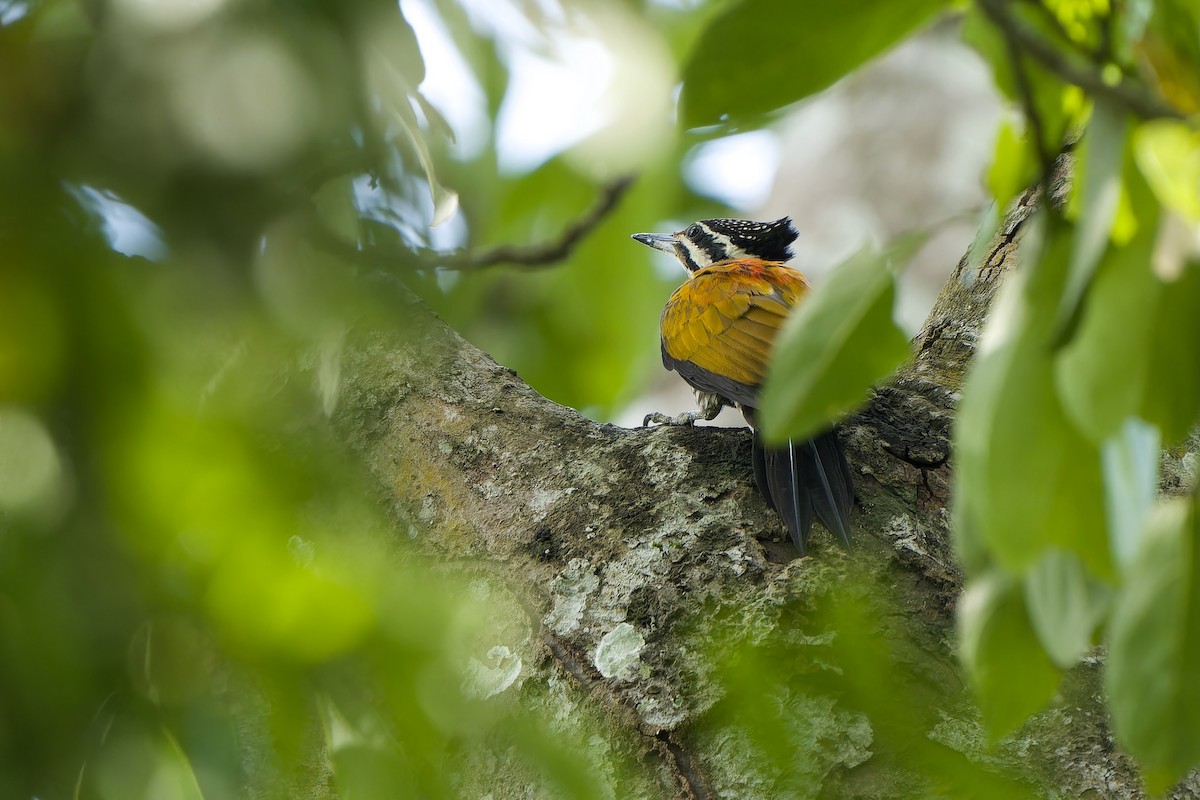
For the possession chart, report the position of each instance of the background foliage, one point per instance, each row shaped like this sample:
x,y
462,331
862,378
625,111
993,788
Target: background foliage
x,y
194,593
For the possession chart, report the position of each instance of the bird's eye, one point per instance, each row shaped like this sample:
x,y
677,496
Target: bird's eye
x,y
692,231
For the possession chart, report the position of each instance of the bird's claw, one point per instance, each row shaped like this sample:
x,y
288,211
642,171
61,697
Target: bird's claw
x,y
687,418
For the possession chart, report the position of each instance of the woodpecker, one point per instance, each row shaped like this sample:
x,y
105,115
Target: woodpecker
x,y
717,331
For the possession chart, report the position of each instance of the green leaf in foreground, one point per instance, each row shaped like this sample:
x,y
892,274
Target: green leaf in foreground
x,y
1065,606
1032,479
840,341
760,55
1101,374
1172,399
1008,668
1104,151
1135,351
1130,459
1168,154
1154,649
1026,479
1013,166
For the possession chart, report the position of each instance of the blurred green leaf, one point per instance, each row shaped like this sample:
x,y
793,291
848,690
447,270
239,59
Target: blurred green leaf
x,y
139,763
1168,154
1006,664
363,771
445,201
1130,27
399,46
33,338
1130,483
760,55
1056,105
837,343
1154,649
1065,606
174,759
1172,399
971,549
979,33
298,612
1033,481
1099,184
1134,353
1168,53
1102,374
334,205
1013,169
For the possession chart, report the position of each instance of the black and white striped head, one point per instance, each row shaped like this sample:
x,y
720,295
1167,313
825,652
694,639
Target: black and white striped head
x,y
709,241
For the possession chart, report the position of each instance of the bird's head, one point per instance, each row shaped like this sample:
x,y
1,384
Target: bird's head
x,y
709,241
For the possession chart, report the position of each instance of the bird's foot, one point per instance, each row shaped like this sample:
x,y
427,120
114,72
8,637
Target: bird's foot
x,y
687,418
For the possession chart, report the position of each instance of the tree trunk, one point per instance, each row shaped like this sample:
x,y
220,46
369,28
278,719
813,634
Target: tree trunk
x,y
641,573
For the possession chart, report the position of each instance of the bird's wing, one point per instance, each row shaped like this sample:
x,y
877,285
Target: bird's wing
x,y
718,328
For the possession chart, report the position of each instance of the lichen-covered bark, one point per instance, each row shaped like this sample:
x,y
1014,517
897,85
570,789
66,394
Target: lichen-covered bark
x,y
643,567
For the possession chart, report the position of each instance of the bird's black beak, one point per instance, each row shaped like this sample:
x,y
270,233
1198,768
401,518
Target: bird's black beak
x,y
659,241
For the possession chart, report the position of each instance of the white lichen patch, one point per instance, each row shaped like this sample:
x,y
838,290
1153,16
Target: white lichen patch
x,y
540,501
598,480
490,678
646,561
662,711
738,560
963,732
619,651
1188,465
904,532
570,591
560,706
664,461
489,490
428,513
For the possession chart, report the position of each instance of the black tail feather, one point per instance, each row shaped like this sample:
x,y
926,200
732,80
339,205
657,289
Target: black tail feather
x,y
803,479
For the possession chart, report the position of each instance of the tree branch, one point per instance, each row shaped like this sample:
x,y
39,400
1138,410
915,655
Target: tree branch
x,y
661,533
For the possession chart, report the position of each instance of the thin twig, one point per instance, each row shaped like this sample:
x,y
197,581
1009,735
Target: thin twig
x,y
1124,94
534,256
547,253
